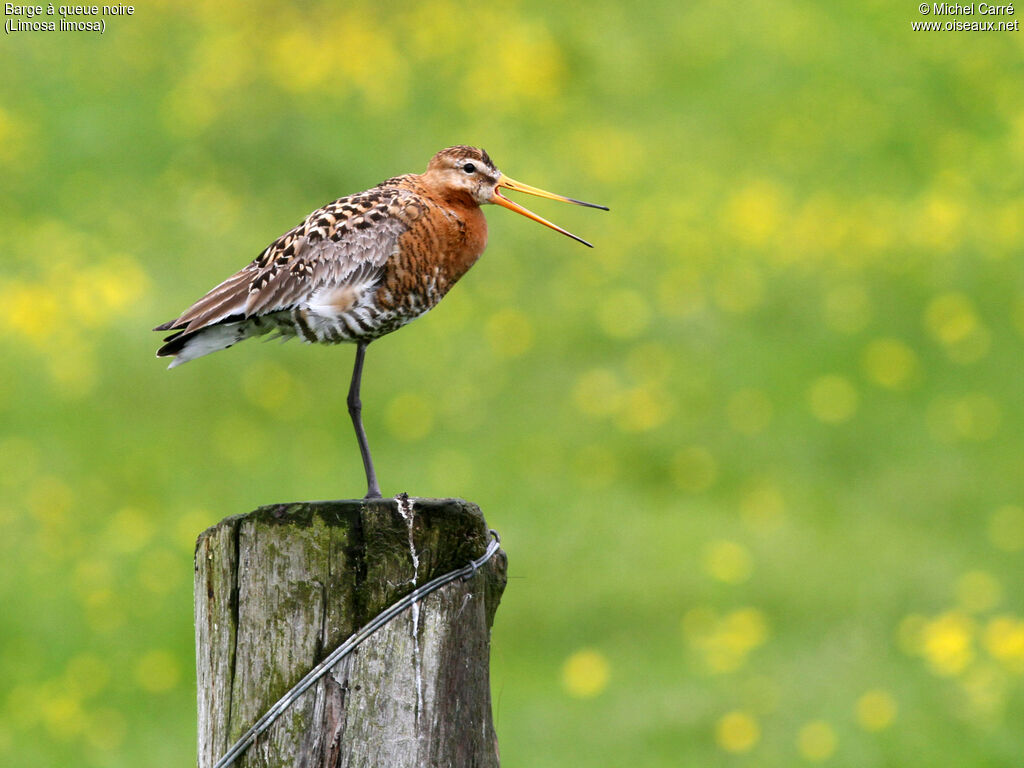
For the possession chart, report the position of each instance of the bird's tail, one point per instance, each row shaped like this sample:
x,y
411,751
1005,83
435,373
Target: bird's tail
x,y
184,346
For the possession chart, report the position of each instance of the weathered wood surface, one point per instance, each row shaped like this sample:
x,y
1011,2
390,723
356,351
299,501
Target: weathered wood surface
x,y
278,589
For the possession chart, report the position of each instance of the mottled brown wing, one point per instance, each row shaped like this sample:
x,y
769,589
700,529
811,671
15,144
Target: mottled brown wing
x,y
351,238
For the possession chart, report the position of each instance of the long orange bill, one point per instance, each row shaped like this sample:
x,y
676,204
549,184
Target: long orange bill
x,y
504,202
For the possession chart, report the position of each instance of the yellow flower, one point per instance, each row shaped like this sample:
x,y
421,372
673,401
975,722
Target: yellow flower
x,y
753,214
889,363
817,741
953,321
644,409
832,399
598,392
763,506
728,561
157,671
876,710
737,732
725,642
948,643
1004,641
585,673
978,591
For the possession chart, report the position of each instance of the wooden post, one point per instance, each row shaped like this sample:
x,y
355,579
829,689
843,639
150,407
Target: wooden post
x,y
278,589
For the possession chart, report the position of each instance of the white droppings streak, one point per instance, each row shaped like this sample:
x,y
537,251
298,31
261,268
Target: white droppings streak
x,y
406,510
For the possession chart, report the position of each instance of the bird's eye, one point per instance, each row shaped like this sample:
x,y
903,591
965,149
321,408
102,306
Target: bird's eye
x,y
469,168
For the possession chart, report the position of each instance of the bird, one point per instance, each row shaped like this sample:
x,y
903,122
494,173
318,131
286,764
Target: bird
x,y
359,268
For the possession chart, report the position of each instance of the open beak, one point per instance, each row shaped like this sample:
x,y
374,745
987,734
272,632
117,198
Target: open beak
x,y
499,199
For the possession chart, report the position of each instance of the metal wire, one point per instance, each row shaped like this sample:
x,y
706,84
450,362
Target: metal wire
x,y
350,645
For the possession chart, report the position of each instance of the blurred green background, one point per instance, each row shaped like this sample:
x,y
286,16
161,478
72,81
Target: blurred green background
x,y
756,458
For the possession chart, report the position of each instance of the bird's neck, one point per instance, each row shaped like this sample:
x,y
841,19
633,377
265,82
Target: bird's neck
x,y
464,231
457,200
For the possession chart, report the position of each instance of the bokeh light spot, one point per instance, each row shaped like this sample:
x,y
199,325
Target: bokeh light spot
x,y
947,643
978,591
610,154
763,506
644,409
974,417
889,363
106,730
938,223
299,74
985,689
157,671
63,715
130,529
270,387
950,317
50,500
15,139
727,561
737,732
752,214
876,710
972,349
585,673
1003,639
91,573
597,392
817,741
524,70
832,399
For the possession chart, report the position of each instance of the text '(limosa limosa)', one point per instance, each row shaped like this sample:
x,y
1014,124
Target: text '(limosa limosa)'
x,y
359,268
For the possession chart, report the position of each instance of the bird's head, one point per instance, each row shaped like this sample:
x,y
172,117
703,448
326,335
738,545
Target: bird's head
x,y
468,172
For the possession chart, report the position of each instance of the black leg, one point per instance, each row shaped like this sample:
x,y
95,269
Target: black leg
x,y
355,410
